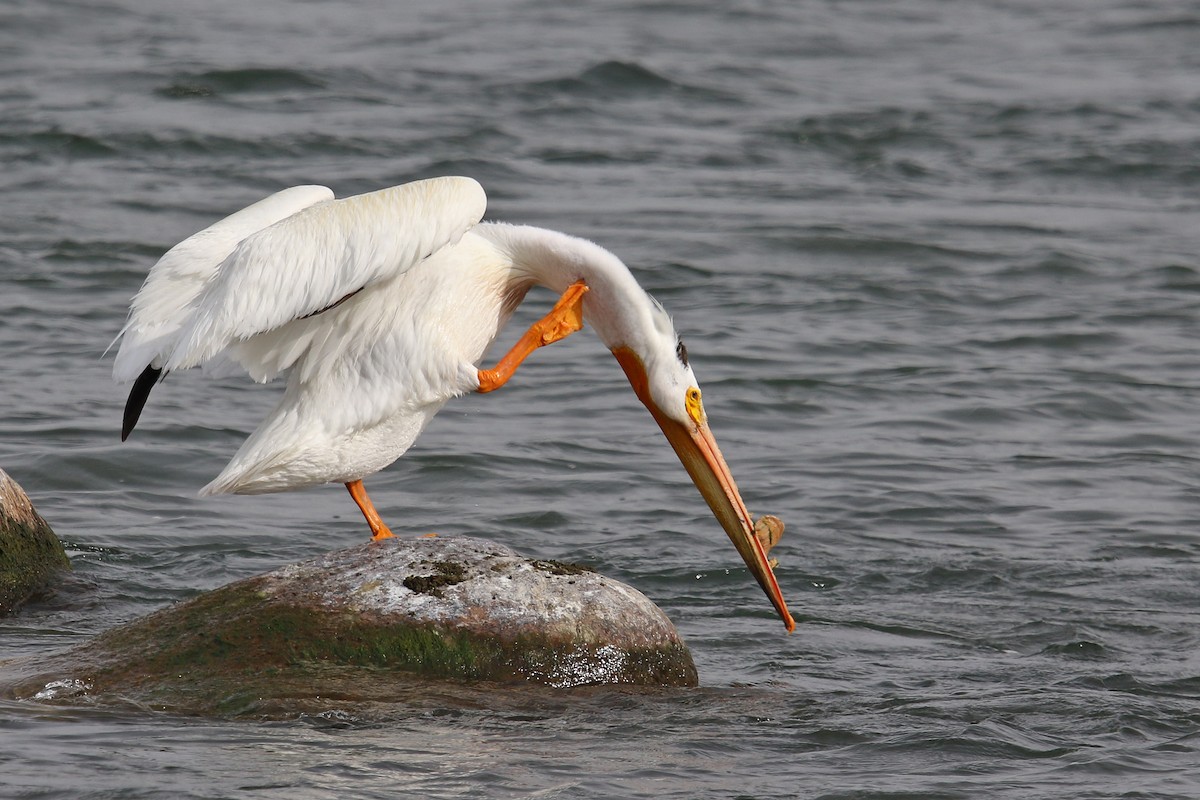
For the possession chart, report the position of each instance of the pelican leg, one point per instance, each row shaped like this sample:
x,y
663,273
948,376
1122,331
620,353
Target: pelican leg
x,y
564,319
378,529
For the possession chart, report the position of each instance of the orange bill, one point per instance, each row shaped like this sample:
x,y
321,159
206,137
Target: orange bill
x,y
697,449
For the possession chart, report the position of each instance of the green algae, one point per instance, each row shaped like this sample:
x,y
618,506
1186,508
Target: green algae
x,y
218,642
31,556
373,624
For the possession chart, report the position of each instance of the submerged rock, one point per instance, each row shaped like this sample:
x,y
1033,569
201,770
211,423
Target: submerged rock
x,y
378,615
31,556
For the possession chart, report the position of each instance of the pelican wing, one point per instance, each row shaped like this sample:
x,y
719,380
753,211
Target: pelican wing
x,y
314,259
162,305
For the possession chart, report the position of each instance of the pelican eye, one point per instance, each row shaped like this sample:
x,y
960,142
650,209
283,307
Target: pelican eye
x,y
691,402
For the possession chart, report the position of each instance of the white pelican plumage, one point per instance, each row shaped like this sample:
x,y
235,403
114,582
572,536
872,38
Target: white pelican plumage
x,y
381,307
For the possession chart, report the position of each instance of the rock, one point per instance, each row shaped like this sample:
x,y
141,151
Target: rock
x,y
376,621
31,556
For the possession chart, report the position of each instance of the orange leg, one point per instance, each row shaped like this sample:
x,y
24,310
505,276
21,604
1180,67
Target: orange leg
x,y
564,319
378,529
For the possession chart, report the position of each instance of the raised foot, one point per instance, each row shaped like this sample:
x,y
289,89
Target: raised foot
x,y
564,319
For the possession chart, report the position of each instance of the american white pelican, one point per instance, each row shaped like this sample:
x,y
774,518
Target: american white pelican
x,y
382,307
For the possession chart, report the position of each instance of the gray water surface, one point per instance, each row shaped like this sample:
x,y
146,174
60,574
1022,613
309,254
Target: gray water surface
x,y
936,267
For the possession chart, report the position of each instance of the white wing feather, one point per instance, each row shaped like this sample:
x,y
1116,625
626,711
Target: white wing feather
x,y
162,304
318,256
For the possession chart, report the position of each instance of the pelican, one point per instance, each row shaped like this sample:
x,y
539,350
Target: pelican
x,y
380,307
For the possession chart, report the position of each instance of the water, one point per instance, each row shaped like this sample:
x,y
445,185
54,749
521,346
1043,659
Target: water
x,y
936,267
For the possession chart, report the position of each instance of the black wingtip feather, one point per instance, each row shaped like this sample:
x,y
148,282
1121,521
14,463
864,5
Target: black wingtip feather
x,y
137,399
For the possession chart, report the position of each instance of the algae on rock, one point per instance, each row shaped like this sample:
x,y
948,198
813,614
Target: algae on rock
x,y
393,612
31,556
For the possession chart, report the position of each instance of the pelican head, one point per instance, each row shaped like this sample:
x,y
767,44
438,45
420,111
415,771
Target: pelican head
x,y
658,369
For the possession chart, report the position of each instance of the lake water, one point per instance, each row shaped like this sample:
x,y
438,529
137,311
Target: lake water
x,y
936,264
